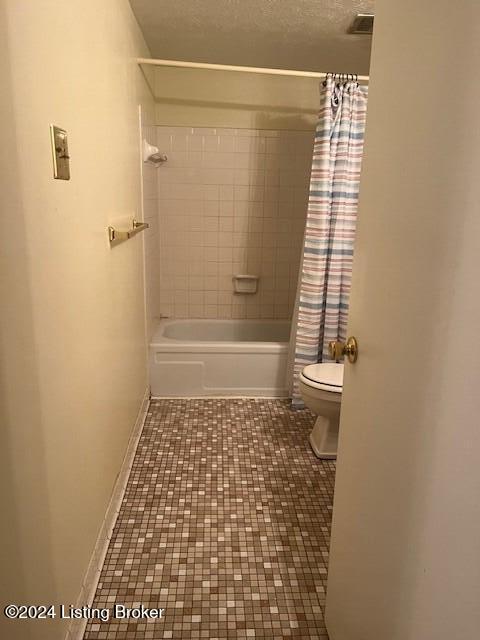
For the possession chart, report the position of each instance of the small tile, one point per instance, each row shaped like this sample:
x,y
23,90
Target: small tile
x,y
195,143
199,206
226,143
228,555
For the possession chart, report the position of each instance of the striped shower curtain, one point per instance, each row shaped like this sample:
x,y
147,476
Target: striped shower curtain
x,y
324,281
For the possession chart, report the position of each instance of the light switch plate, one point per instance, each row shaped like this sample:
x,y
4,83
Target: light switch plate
x,y
61,159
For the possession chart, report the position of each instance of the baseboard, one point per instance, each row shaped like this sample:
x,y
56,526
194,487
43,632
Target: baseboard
x,y
76,628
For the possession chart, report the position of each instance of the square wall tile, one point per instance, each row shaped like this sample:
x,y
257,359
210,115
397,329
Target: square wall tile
x,y
229,201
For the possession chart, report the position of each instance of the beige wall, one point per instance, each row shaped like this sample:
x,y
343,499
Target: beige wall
x,y
151,235
200,98
73,362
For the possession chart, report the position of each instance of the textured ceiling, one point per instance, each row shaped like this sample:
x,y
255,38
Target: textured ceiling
x,y
293,34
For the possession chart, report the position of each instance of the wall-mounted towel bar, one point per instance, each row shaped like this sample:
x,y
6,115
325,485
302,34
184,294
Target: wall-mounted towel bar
x,y
115,236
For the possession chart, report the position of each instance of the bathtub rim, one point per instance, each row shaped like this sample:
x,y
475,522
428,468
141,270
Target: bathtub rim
x,y
161,343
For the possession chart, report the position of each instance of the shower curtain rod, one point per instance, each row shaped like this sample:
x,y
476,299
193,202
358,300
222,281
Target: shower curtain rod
x,y
230,67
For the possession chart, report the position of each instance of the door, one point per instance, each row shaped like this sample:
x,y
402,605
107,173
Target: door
x,y
405,552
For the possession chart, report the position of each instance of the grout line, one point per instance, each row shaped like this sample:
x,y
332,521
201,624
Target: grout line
x,y
206,476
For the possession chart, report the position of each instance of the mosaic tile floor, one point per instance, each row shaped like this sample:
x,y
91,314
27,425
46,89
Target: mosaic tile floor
x,y
225,524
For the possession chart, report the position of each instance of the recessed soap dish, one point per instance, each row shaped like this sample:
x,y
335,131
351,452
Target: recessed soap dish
x,y
245,284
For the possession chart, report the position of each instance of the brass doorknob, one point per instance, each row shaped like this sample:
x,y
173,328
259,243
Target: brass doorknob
x,y
337,349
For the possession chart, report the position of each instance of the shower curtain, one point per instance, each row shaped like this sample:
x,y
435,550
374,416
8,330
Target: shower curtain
x,y
325,273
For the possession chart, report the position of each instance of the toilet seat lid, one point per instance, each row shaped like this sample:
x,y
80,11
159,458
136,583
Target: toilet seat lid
x,y
327,374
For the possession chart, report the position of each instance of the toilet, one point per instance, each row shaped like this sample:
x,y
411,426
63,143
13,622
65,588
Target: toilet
x,y
321,388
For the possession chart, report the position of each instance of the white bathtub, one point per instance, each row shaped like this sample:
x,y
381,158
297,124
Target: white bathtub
x,y
219,357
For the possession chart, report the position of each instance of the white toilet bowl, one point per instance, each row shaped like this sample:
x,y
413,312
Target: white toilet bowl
x,y
321,388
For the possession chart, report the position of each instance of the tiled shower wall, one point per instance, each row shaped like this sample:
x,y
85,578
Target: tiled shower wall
x,y
151,235
231,201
